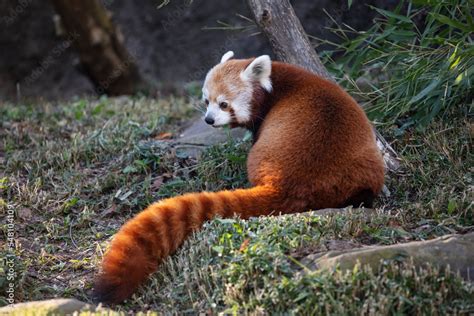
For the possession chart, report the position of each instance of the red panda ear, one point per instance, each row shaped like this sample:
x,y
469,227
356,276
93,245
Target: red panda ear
x,y
227,56
259,70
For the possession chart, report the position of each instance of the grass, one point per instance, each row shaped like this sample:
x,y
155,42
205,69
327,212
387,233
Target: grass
x,y
74,172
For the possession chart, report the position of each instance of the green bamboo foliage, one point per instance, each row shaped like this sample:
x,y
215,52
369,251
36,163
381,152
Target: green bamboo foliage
x,y
414,64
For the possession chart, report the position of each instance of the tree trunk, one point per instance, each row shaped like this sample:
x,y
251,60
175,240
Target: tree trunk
x,y
289,42
100,46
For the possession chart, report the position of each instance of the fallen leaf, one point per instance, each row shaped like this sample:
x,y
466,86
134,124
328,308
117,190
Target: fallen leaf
x,y
244,245
125,196
109,211
157,183
25,213
166,135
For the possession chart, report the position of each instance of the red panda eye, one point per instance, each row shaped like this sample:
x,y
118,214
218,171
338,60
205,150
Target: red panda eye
x,y
206,101
223,105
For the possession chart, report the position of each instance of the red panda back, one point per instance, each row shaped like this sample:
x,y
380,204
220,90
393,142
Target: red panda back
x,y
317,141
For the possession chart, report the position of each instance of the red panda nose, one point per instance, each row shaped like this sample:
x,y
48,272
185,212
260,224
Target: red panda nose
x,y
209,120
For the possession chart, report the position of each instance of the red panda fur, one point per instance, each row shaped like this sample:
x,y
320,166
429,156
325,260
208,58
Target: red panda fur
x,y
313,148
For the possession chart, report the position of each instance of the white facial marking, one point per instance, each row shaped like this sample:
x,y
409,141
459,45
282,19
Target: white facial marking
x,y
205,93
220,117
221,98
206,80
241,105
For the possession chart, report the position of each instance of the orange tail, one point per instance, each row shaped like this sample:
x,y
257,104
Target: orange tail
x,y
159,230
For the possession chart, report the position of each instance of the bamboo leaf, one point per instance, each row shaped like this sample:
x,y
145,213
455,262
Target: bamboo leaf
x,y
434,83
453,23
393,15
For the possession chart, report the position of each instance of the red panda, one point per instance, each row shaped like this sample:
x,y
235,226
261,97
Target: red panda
x,y
313,148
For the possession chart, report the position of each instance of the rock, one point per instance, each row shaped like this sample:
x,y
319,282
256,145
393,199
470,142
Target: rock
x,y
457,251
364,84
194,139
59,306
200,133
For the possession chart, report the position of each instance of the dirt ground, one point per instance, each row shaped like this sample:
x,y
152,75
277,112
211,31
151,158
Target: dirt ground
x,y
173,45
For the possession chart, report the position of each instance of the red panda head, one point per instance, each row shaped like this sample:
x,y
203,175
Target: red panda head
x,y
230,87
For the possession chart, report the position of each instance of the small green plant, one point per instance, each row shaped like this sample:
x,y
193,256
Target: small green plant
x,y
416,62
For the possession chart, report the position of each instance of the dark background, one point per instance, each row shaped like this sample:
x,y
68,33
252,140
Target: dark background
x,y
171,45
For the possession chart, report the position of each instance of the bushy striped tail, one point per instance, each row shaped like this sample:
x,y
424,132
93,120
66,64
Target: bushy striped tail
x,y
160,229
